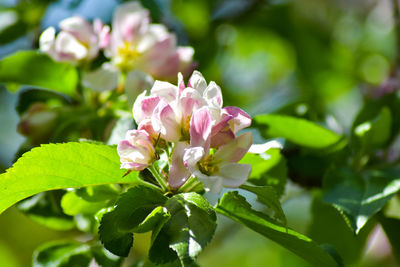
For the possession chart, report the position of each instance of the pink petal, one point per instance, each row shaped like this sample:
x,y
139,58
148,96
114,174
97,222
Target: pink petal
x,y
144,106
200,128
235,150
240,118
222,138
164,121
178,173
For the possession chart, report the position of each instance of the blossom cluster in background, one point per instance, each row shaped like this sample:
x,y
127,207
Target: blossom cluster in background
x,y
191,122
134,46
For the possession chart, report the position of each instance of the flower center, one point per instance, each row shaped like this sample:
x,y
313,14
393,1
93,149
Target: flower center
x,y
208,166
128,54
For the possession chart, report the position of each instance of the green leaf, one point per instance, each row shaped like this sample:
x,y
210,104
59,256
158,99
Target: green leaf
x,y
268,168
350,246
117,242
190,229
98,193
72,204
105,258
132,210
359,196
267,195
376,132
44,208
34,68
158,216
62,254
56,166
391,228
237,208
298,131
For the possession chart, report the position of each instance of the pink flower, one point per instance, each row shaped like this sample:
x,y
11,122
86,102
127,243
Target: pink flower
x,y
76,42
170,107
137,44
217,169
136,151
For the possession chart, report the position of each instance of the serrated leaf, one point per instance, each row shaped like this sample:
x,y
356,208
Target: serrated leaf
x,y
117,242
268,168
237,208
359,196
56,166
37,69
267,195
190,229
62,254
132,208
298,131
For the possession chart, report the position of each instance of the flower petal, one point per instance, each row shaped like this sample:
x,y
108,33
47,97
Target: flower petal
x,y
240,118
191,156
165,90
103,79
234,174
165,122
235,150
213,95
144,106
178,173
68,47
197,82
200,128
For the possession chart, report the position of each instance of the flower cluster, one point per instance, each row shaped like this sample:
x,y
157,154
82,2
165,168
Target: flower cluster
x,y
133,45
190,122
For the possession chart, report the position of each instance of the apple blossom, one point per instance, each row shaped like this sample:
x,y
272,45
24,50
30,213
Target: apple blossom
x,y
215,168
136,151
140,46
197,133
77,41
170,109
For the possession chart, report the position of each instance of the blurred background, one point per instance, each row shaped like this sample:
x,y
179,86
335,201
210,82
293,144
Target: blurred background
x,y
316,59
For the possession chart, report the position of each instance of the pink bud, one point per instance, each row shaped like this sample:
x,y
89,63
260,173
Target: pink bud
x,y
136,151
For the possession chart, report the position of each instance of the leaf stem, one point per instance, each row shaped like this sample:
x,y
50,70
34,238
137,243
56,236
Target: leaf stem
x,y
159,178
189,185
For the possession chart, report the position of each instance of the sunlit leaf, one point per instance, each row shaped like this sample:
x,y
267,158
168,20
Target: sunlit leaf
x,y
298,131
359,196
56,166
34,68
